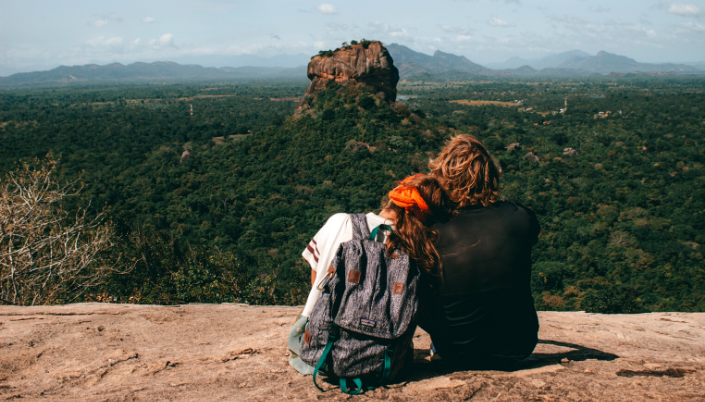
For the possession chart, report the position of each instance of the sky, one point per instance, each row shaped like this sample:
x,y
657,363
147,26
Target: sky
x,y
42,34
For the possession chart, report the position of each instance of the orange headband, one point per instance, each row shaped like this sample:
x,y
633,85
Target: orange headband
x,y
410,199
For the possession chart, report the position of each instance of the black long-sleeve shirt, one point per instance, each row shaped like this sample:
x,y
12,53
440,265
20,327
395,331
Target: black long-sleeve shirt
x,y
484,308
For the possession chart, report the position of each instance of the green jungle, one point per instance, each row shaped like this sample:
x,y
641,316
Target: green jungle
x,y
620,194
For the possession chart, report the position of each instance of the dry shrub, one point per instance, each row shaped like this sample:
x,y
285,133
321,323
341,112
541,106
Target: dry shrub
x,y
573,292
46,254
553,300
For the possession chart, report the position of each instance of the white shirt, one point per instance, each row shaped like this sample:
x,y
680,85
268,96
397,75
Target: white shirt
x,y
320,251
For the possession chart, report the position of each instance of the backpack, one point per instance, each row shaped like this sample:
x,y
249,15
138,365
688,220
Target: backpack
x,y
362,326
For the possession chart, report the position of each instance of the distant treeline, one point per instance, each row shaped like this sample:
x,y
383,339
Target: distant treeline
x,y
622,214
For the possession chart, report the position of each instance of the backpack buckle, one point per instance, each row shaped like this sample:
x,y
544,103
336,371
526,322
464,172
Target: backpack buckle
x,y
328,277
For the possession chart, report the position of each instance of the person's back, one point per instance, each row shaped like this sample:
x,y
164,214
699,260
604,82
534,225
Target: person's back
x,y
483,312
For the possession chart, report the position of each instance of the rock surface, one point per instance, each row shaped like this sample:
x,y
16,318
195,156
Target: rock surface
x,y
371,66
106,352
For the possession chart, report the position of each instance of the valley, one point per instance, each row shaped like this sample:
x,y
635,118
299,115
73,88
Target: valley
x,y
623,214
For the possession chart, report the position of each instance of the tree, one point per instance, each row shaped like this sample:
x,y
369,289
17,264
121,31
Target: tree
x,y
47,254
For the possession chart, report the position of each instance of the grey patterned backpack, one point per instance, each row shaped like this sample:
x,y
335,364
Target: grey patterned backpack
x,y
362,325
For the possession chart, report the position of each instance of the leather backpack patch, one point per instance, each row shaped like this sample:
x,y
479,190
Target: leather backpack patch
x,y
354,277
398,288
307,336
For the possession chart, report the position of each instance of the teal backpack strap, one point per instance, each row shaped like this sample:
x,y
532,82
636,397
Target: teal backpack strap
x,y
344,386
373,234
322,360
387,365
387,369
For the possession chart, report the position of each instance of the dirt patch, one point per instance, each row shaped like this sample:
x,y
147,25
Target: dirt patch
x,y
286,99
468,102
205,97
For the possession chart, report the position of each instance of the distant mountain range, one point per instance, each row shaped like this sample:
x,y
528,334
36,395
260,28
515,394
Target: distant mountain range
x,y
605,63
575,62
411,64
146,72
551,61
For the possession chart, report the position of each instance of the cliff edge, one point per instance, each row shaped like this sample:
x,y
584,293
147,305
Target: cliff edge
x,y
106,352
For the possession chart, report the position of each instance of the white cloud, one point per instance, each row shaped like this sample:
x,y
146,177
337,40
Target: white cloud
x,y
166,40
377,30
694,27
463,38
240,50
335,27
684,9
148,20
638,28
455,30
496,22
327,8
104,19
102,41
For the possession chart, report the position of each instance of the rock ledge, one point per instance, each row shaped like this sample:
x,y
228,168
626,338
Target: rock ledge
x,y
99,352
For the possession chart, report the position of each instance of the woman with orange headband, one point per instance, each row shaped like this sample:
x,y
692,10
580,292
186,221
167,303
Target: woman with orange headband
x,y
414,206
406,219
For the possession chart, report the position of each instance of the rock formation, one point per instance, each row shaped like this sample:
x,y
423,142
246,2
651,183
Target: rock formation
x,y
531,157
570,151
186,155
367,64
106,352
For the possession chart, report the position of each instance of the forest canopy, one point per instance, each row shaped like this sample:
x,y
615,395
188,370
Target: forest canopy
x,y
619,195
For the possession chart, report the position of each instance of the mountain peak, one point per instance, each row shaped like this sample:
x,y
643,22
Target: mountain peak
x,y
365,64
412,63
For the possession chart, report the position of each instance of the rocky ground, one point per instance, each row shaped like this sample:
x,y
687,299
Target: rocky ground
x,y
112,352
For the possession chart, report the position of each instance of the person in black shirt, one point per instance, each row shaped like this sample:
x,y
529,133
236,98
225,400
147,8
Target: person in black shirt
x,y
482,314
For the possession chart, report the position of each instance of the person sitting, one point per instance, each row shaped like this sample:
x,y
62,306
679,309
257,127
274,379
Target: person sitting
x,y
409,211
483,314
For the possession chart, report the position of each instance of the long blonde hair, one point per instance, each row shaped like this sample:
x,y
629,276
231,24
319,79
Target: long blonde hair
x,y
471,176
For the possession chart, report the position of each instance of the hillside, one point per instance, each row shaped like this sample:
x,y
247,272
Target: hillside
x,y
448,67
550,61
411,63
143,72
605,63
98,352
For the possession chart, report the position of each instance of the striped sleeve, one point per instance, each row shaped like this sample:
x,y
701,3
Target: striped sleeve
x,y
312,252
324,244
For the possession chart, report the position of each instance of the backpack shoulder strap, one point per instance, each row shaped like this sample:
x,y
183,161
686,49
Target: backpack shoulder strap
x,y
360,229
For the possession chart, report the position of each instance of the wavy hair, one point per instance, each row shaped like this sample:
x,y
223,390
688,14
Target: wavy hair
x,y
471,175
415,236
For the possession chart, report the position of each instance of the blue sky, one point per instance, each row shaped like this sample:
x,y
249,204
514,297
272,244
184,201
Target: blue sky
x,y
40,34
